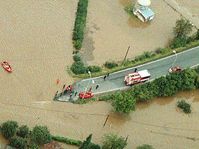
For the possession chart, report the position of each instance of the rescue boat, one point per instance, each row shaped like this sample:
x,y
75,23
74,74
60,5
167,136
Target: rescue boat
x,y
6,66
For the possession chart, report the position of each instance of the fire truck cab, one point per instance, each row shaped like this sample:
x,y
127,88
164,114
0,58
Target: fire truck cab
x,y
137,77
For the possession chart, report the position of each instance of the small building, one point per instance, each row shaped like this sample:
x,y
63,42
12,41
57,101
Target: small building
x,y
142,10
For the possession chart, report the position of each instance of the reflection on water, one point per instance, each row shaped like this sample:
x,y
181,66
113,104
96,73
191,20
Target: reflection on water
x,y
88,46
136,23
117,119
126,2
192,95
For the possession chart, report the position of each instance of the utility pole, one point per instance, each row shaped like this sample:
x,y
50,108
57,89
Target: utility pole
x,y
106,120
126,54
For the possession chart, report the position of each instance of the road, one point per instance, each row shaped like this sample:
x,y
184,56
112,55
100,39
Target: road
x,y
157,68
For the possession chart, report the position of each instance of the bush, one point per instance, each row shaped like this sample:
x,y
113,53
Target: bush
x,y
76,58
123,102
23,131
110,65
40,135
184,106
145,146
112,141
94,69
144,56
8,129
78,68
18,142
67,140
80,23
178,42
33,146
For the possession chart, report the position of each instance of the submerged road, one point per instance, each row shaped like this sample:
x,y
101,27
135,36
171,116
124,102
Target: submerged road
x,y
115,81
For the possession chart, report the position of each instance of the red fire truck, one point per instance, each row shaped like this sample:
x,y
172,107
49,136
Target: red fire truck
x,y
137,77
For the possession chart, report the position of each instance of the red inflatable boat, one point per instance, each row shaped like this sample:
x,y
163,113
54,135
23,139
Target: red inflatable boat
x,y
6,66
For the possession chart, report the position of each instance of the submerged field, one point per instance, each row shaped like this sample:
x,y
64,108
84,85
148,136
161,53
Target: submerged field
x,y
36,40
111,31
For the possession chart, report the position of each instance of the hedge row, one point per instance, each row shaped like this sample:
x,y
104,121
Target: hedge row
x,y
78,66
164,86
67,140
80,23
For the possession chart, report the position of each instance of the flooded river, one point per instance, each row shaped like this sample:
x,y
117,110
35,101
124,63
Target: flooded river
x,y
159,122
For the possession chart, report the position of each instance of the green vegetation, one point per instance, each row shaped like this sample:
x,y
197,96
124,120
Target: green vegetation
x,y
112,141
145,146
8,129
186,107
181,31
87,144
40,135
110,65
23,131
67,140
80,23
78,66
18,142
123,102
169,85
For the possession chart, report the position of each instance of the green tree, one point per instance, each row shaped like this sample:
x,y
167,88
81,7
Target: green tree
x,y
23,131
33,146
112,141
123,102
18,142
86,143
189,77
9,128
186,107
145,146
40,135
183,28
166,87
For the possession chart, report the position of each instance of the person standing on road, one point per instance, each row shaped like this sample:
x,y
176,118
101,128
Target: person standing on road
x,y
104,77
135,70
97,86
76,93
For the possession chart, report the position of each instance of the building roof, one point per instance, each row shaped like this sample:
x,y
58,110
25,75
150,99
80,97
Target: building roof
x,y
146,12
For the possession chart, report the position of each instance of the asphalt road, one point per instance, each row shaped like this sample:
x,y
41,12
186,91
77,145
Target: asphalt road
x,y
115,81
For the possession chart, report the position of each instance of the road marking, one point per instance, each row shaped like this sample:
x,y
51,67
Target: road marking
x,y
195,48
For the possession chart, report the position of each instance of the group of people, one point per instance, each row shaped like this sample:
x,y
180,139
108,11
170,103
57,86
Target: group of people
x,y
69,88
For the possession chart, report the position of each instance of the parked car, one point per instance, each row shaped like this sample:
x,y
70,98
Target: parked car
x,y
175,69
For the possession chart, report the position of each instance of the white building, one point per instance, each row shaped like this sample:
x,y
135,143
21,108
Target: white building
x,y
142,10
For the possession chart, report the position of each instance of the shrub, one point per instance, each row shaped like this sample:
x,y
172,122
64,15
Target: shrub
x,y
78,67
94,69
197,35
23,131
33,146
40,135
110,65
112,141
8,129
76,58
18,142
178,42
184,106
123,102
145,146
80,23
144,56
67,140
